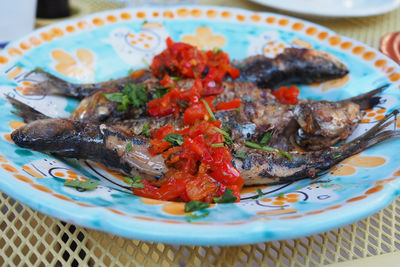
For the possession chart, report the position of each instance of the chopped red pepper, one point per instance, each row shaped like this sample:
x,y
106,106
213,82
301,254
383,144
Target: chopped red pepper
x,y
287,95
234,104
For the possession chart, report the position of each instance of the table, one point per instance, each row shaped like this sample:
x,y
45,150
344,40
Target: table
x,y
29,237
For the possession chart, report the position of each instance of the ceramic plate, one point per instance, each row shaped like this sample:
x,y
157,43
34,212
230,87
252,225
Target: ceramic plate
x,y
107,45
333,8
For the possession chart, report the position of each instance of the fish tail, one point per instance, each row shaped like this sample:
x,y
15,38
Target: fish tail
x,y
376,134
52,85
369,99
24,111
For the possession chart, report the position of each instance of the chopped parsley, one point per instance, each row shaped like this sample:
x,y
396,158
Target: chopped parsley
x,y
194,205
134,182
174,139
265,139
212,117
128,147
130,71
281,195
132,94
248,99
337,156
160,92
240,155
227,197
258,146
216,50
286,154
145,62
228,139
145,130
259,194
87,185
217,145
191,217
176,79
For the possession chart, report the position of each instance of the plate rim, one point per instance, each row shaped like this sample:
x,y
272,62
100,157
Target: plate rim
x,y
86,219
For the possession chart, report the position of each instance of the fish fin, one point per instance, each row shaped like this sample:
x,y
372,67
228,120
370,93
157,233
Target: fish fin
x,y
51,84
367,100
24,111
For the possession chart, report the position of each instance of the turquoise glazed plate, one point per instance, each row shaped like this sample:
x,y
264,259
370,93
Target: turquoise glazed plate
x,y
107,45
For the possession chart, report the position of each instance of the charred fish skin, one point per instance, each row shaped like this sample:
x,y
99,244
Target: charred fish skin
x,y
75,139
262,167
294,65
54,85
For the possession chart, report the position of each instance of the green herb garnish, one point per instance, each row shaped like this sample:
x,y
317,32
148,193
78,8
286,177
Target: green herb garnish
x,y
286,154
265,139
134,182
128,147
130,71
87,185
227,197
145,22
281,195
258,146
176,79
191,217
248,100
195,205
259,194
337,156
217,145
145,130
132,94
160,92
216,50
240,155
145,62
174,139
228,139
212,117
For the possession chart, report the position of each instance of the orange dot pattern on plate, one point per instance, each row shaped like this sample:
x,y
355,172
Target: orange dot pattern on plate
x,y
84,204
283,22
111,18
211,13
3,60
374,189
46,37
8,138
255,17
83,25
335,40
59,174
56,32
346,45
270,20
369,55
385,181
298,26
356,198
182,12
358,50
16,124
23,178
140,14
311,31
291,217
13,52
62,197
380,63
240,17
226,14
34,41
334,207
394,77
115,211
196,13
168,14
70,28
32,172
323,35
42,188
9,168
3,159
125,16
156,14
314,212
174,208
343,170
24,46
98,22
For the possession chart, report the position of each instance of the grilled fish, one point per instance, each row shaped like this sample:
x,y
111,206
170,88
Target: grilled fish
x,y
108,144
294,65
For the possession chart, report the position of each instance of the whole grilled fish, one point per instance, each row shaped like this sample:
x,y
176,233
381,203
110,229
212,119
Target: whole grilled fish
x,y
293,65
108,144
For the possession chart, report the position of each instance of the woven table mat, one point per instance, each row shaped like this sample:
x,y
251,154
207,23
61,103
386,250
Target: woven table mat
x,y
28,237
